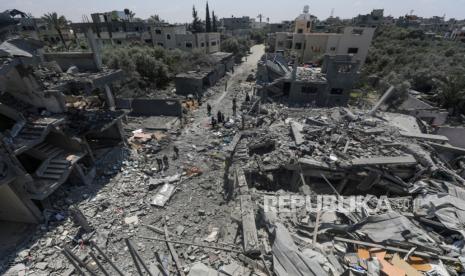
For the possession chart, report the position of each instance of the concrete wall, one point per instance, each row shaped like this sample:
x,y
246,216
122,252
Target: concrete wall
x,y
83,61
455,134
151,107
353,39
186,86
330,43
341,73
308,93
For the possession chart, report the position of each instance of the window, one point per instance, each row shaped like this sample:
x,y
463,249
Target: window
x,y
158,31
357,31
332,49
188,44
309,89
344,68
308,24
280,44
202,44
160,44
352,51
337,91
208,43
168,36
214,43
298,46
299,31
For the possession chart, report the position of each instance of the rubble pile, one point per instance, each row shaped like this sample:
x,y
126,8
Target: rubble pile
x,y
263,190
342,153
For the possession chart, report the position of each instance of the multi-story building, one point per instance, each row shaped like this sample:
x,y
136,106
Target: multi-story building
x,y
373,19
109,28
310,47
284,26
236,23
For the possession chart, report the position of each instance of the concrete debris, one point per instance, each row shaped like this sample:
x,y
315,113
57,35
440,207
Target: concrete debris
x,y
273,190
163,195
199,269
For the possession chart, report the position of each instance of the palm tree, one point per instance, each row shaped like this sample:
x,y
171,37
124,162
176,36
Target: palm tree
x,y
57,23
154,18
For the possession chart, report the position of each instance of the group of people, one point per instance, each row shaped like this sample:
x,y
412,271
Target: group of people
x,y
163,163
215,121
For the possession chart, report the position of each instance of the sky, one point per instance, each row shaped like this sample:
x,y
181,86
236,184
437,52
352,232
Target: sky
x,y
180,11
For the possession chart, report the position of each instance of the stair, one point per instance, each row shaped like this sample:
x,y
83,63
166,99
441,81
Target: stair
x,y
47,149
31,131
56,168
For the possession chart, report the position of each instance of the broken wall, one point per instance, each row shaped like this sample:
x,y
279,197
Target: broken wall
x,y
84,61
151,107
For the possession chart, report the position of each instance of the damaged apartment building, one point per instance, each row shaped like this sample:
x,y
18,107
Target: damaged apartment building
x,y
327,86
325,66
114,28
56,119
309,47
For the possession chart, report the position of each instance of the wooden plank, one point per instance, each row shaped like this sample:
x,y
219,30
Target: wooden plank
x,y
249,229
173,252
396,249
409,270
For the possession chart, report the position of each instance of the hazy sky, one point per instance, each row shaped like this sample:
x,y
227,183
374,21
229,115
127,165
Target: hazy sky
x,y
180,10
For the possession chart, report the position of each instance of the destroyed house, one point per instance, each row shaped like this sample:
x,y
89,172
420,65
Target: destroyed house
x,y
319,87
196,82
52,127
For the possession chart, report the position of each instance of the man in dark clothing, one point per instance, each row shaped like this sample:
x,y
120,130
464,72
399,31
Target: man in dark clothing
x,y
213,122
209,109
247,97
165,162
219,117
176,152
234,107
160,164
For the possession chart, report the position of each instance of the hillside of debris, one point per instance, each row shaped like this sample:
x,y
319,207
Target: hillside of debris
x,y
429,64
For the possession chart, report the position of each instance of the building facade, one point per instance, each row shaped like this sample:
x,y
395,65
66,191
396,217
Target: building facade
x,y
163,35
311,47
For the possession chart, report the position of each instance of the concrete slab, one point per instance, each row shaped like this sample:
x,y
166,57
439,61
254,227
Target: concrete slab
x,y
396,160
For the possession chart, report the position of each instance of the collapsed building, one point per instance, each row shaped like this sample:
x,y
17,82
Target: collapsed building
x,y
196,82
54,121
292,156
327,86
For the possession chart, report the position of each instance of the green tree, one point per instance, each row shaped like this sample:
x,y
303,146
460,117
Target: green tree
x,y
208,21
196,24
58,23
214,22
154,19
239,47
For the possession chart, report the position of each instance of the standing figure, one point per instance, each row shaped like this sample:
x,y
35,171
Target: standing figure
x,y
160,164
176,152
219,116
209,109
166,165
234,106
